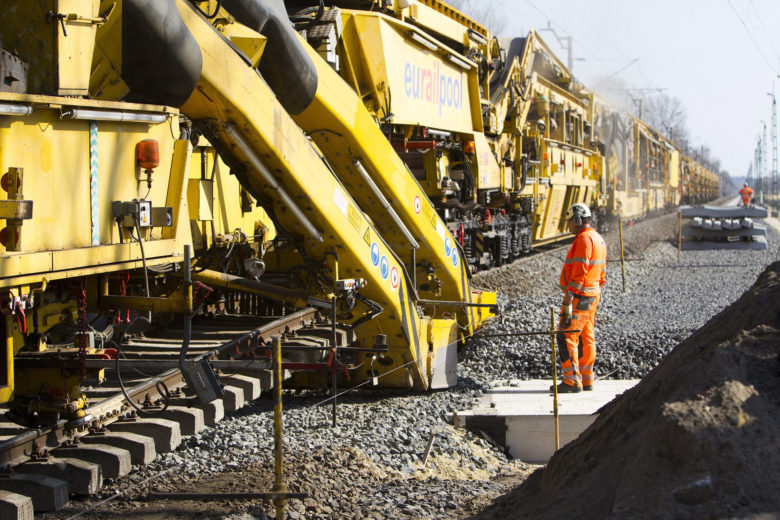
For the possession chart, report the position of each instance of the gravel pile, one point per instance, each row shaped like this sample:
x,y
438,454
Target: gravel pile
x,y
370,465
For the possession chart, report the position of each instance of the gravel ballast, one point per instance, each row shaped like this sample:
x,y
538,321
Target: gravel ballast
x,y
369,466
696,438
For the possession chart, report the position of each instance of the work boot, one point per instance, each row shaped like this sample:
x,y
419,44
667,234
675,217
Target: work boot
x,y
563,388
587,388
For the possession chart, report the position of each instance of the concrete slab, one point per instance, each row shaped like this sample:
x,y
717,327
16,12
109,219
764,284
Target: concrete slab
x,y
213,412
47,494
233,399
520,416
250,385
114,462
83,478
140,447
723,211
166,434
14,506
190,419
757,244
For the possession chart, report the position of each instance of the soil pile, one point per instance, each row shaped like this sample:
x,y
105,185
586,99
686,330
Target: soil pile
x,y
697,438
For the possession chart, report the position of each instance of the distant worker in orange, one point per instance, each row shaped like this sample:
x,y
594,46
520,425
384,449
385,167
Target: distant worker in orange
x,y
582,277
747,194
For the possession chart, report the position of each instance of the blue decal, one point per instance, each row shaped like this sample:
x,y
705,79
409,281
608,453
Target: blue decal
x,y
384,267
375,254
434,86
447,246
454,258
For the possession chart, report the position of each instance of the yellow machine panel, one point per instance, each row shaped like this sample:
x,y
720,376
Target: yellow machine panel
x,y
73,169
409,72
58,36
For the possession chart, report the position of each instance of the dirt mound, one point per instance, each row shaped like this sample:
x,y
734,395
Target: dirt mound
x,y
697,438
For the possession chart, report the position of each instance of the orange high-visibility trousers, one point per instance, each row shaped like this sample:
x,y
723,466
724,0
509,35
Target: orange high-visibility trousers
x,y
747,194
578,349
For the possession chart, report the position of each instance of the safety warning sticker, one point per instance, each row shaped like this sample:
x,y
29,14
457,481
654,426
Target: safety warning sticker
x,y
454,257
354,217
394,277
440,229
340,199
384,267
447,246
417,204
375,254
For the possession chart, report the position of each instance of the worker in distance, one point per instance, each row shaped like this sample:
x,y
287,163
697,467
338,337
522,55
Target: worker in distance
x,y
747,193
582,276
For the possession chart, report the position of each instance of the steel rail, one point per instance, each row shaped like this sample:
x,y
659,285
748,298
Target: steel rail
x,y
22,447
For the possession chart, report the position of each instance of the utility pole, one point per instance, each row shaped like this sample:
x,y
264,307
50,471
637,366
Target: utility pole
x,y
638,103
757,162
764,163
567,45
638,99
773,186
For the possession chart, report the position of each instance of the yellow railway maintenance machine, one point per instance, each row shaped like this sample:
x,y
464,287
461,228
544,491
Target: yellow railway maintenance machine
x,y
457,107
333,235
131,129
645,172
92,193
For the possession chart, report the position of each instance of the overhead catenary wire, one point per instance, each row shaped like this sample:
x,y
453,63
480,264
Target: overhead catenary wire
x,y
763,27
579,42
752,38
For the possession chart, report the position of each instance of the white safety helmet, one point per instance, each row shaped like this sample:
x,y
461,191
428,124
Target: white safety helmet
x,y
746,184
578,211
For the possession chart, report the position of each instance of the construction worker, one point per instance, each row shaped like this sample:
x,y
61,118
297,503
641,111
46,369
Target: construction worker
x,y
582,277
746,194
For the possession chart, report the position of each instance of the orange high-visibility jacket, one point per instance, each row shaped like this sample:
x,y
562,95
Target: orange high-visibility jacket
x,y
746,193
586,264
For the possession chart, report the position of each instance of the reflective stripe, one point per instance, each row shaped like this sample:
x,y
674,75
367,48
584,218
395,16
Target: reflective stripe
x,y
580,260
586,367
575,285
591,290
569,378
587,379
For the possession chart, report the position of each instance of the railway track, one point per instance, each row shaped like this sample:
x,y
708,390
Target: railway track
x,y
46,464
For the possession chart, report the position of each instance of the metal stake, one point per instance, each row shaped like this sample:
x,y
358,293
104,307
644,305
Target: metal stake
x,y
679,235
280,502
555,375
428,449
334,368
622,257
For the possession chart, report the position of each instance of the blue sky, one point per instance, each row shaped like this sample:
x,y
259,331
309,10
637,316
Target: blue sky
x,y
719,57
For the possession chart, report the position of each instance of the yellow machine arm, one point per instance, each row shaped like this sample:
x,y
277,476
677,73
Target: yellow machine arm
x,y
378,178
276,162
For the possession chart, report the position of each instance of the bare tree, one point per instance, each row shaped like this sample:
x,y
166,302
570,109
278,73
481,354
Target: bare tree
x,y
666,114
482,12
